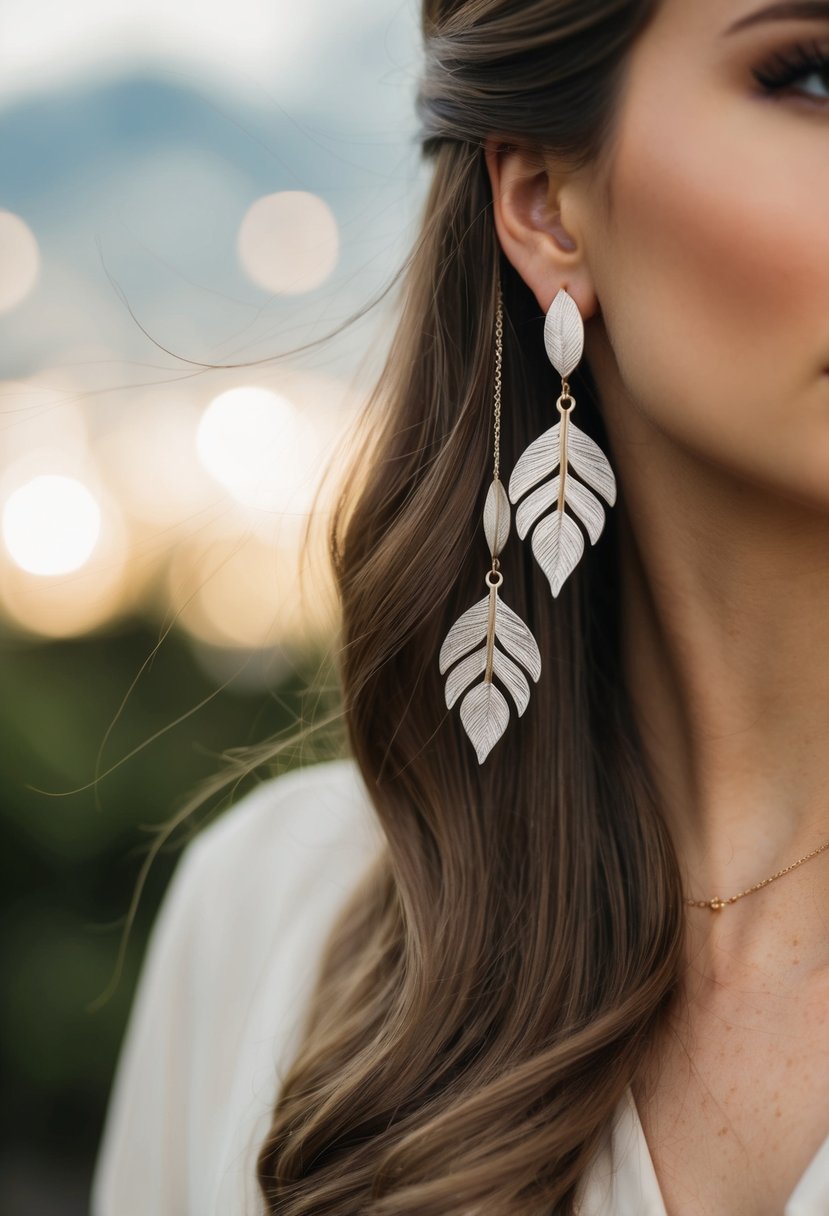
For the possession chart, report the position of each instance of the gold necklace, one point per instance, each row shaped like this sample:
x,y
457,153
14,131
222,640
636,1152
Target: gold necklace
x,y
716,904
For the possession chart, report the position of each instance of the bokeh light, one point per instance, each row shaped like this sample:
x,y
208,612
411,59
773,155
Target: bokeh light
x,y
261,448
289,242
68,549
188,206
238,592
19,260
51,524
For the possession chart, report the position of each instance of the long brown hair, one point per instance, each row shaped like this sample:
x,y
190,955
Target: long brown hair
x,y
490,989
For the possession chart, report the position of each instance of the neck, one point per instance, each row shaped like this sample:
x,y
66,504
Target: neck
x,y
725,604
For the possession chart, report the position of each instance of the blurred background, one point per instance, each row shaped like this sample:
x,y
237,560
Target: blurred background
x,y
181,185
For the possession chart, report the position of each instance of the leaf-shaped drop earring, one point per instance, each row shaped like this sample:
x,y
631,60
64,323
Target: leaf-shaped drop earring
x,y
484,709
557,541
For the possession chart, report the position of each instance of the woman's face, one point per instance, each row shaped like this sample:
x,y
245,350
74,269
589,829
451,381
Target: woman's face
x,y
711,267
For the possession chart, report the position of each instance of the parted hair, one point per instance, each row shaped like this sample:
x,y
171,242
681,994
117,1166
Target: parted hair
x,y
491,985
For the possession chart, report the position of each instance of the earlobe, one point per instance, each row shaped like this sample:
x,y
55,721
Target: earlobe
x,y
527,214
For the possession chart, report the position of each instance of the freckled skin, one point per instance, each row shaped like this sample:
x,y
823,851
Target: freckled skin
x,y
705,292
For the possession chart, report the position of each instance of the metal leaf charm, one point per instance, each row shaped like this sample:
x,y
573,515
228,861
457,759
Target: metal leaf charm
x,y
465,633
585,504
474,665
484,709
496,517
543,456
485,715
564,333
557,542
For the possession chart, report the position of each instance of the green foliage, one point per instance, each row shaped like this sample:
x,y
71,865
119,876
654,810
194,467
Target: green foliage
x,y
73,846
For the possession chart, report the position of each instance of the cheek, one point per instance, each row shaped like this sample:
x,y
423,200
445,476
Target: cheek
x,y
715,279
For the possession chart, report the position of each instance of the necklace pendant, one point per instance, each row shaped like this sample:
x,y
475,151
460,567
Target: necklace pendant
x,y
716,903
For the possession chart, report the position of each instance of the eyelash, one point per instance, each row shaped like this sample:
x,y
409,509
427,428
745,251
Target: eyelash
x,y
783,70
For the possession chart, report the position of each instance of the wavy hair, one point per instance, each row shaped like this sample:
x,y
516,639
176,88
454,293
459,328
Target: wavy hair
x,y
490,988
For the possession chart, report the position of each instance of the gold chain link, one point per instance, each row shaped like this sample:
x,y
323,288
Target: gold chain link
x,y
499,334
716,904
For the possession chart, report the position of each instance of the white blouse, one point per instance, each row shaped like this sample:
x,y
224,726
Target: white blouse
x,y
230,966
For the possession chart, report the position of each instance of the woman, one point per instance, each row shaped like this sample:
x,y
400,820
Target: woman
x,y
586,964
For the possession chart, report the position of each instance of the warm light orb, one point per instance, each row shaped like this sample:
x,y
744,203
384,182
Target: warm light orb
x,y
73,604
19,260
289,242
261,448
51,524
237,592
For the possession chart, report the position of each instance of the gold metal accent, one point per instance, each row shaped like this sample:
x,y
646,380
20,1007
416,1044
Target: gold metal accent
x,y
499,348
565,423
716,904
562,485
490,634
493,586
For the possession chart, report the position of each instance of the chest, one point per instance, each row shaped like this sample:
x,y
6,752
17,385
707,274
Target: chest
x,y
734,1103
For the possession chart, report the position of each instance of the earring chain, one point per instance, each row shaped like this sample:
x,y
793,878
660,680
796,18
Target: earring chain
x,y
499,346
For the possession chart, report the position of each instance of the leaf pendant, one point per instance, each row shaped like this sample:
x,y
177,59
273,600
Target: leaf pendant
x,y
484,710
557,541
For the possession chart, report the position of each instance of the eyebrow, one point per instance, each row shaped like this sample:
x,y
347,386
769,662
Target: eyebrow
x,y
787,10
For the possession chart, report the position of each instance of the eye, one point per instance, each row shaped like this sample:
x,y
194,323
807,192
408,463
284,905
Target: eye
x,y
808,63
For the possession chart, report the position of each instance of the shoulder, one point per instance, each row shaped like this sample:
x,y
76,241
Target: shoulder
x,y
298,811
229,969
295,836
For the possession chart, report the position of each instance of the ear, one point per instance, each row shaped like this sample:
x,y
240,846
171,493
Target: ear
x,y
536,216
